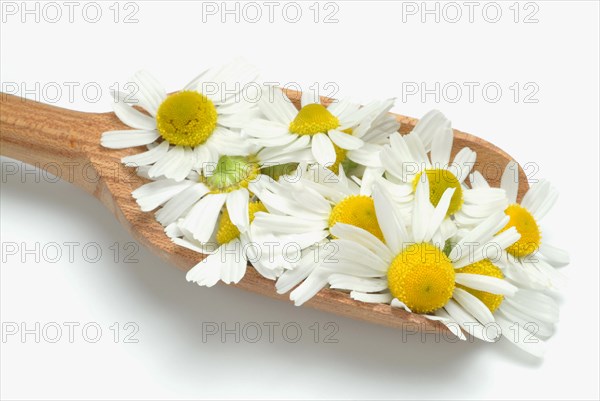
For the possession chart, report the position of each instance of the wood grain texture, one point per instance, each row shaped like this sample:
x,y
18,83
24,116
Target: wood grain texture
x,y
67,143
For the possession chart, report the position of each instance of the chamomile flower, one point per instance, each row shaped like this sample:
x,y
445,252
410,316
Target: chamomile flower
x,y
524,318
200,197
302,210
229,251
408,267
531,262
407,161
338,133
191,127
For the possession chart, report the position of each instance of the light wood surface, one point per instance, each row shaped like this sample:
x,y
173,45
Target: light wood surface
x,y
67,143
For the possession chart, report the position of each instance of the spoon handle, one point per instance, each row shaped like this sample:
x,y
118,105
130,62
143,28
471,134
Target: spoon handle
x,y
51,138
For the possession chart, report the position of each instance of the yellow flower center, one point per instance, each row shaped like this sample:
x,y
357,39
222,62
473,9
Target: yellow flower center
x,y
227,231
422,277
485,268
439,181
359,211
231,173
313,119
186,118
525,223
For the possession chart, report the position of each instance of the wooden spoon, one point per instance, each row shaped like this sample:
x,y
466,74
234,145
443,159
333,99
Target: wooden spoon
x,y
67,143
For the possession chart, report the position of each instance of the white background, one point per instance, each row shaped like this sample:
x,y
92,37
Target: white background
x,y
370,53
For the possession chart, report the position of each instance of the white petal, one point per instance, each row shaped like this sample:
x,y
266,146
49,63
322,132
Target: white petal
x,y
478,181
368,155
287,224
552,277
128,138
486,283
200,221
233,262
464,162
526,274
351,118
176,164
535,196
548,313
175,207
149,157
546,205
291,278
510,181
265,129
237,206
439,213
482,251
132,117
151,195
536,304
323,150
474,306
195,84
150,92
451,324
273,155
479,235
430,126
521,337
370,176
206,273
207,158
441,146
417,150
342,106
555,256
533,325
422,210
238,120
229,143
309,288
277,106
345,141
467,321
389,219
309,97
362,237
448,229
348,257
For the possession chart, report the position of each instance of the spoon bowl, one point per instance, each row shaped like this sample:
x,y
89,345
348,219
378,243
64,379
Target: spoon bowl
x,y
66,143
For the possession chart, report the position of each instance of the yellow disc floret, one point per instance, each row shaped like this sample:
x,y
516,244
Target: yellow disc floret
x,y
525,223
485,268
227,231
439,181
313,119
232,173
422,277
359,211
186,118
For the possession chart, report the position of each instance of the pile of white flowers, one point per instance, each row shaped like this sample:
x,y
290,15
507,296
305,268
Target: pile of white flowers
x,y
334,196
